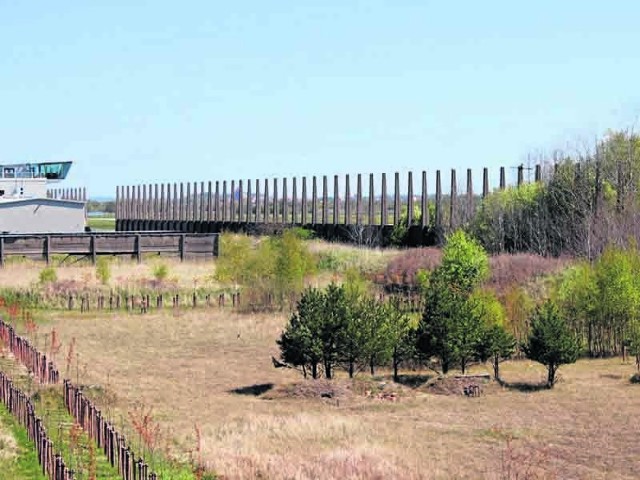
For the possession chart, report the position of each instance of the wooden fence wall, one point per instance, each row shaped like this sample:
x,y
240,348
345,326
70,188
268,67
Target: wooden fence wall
x,y
83,411
91,245
352,202
20,406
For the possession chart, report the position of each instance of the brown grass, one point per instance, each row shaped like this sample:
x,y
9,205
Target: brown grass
x,y
123,272
214,370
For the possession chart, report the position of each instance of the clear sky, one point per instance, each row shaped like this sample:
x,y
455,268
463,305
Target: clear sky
x,y
155,91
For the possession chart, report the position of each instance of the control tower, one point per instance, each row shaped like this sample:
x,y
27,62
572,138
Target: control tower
x,y
24,206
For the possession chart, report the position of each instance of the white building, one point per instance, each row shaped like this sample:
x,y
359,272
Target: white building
x,y
24,206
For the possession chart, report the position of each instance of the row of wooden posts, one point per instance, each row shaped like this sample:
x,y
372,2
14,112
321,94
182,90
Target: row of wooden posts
x,y
21,407
105,435
145,302
36,362
84,412
237,202
77,194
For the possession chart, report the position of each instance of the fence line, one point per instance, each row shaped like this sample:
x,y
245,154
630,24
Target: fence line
x,y
83,411
91,245
20,406
147,207
44,371
105,435
146,303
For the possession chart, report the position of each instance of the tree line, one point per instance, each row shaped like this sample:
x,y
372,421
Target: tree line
x,y
342,327
586,201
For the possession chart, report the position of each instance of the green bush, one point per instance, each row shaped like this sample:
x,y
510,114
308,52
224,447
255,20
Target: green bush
x,y
160,272
48,275
275,266
103,270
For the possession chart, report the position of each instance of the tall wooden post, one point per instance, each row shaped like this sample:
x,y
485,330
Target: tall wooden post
x,y
410,199
503,182
520,174
347,201
372,200
202,202
485,182
144,202
240,200
174,206
359,199
128,204
470,202
216,200
453,204
384,217
194,213
249,201
276,210
538,173
256,215
161,208
336,200
314,201
138,202
325,200
156,202
304,201
266,201
294,201
118,215
181,215
189,200
396,199
232,201
285,202
209,202
150,203
438,200
224,201
424,199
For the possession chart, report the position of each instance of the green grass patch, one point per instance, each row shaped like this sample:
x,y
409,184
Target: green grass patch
x,y
24,464
102,223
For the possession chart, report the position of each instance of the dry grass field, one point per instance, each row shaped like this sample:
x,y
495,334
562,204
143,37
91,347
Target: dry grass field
x,y
213,370
24,273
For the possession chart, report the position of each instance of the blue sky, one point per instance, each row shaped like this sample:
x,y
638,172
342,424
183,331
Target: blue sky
x,y
138,91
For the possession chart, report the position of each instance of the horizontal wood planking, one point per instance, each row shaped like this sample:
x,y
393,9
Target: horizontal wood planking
x,y
185,245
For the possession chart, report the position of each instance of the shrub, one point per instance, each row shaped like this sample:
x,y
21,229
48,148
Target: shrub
x,y
160,272
103,270
551,342
635,378
48,275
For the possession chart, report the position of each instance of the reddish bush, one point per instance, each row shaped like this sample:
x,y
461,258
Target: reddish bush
x,y
506,269
520,268
403,268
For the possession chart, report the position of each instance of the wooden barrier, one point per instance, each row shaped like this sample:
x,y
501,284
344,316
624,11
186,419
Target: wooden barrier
x,y
20,406
43,370
136,244
105,435
331,212
83,411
